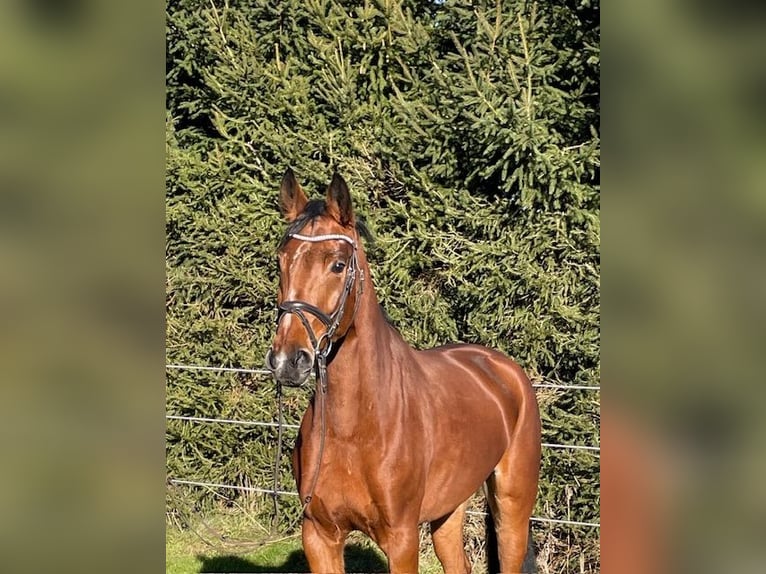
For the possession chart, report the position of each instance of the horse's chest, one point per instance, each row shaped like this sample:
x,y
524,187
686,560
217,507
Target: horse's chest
x,y
350,506
344,493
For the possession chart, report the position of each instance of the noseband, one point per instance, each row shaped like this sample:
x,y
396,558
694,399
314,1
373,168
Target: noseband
x,y
322,345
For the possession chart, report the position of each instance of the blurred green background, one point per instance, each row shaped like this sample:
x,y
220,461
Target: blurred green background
x,y
81,286
684,274
82,281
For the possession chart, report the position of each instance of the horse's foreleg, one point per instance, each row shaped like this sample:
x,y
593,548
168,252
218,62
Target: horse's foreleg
x,y
447,534
324,550
401,548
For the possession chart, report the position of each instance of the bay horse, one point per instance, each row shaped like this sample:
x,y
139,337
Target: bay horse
x,y
393,437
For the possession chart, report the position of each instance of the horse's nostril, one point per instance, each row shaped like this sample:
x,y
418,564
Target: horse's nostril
x,y
302,359
270,363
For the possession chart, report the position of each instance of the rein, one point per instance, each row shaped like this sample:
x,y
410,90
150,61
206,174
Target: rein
x,y
322,344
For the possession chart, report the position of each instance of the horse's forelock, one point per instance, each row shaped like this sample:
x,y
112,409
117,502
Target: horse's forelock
x,y
314,209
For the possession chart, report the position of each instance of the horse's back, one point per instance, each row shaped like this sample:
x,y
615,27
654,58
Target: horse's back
x,y
480,374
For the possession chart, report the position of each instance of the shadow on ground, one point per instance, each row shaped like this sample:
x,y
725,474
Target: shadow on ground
x,y
358,559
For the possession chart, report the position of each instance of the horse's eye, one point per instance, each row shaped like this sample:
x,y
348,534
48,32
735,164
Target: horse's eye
x,y
338,266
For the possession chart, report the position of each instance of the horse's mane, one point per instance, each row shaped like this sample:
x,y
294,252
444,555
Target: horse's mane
x,y
314,209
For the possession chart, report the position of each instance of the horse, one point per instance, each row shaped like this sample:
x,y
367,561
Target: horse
x,y
393,437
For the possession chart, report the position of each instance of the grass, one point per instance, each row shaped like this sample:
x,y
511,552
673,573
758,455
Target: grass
x,y
567,552
186,553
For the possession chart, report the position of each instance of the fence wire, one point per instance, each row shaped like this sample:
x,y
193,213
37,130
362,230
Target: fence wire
x,y
266,372
595,449
292,426
293,493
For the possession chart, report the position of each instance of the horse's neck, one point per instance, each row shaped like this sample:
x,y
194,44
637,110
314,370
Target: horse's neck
x,y
360,381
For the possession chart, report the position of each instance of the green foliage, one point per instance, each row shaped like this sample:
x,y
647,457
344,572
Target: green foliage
x,y
468,133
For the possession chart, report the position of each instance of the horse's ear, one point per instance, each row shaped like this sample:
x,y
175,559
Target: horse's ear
x,y
292,200
339,201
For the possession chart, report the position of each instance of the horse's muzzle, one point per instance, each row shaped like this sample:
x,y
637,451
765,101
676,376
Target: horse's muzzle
x,y
290,369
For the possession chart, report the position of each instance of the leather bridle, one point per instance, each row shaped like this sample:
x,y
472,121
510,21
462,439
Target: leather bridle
x,y
322,344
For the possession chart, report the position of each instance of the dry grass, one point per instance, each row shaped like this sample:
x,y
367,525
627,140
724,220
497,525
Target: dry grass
x,y
559,549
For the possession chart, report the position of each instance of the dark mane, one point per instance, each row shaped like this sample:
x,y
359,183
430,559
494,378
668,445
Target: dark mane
x,y
315,208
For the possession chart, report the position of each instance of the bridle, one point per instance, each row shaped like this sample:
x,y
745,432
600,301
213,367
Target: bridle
x,y
322,344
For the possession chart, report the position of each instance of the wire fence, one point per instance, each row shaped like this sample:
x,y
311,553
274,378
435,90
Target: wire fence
x,y
596,450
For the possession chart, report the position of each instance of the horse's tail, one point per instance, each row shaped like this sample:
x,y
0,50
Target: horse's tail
x,y
530,562
493,559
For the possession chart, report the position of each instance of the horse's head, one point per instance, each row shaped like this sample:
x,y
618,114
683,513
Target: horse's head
x,y
320,280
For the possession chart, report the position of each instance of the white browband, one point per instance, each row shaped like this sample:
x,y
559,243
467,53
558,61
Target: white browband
x,y
328,237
